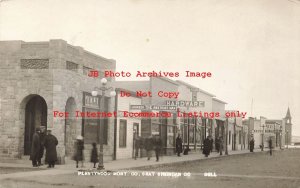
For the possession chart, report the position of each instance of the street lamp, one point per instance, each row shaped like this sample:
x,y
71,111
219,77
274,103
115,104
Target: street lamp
x,y
103,89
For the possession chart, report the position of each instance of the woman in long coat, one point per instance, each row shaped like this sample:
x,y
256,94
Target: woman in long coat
x,y
178,145
94,155
50,145
79,146
206,146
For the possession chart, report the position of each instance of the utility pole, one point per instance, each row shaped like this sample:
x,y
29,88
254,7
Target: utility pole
x,y
226,141
262,145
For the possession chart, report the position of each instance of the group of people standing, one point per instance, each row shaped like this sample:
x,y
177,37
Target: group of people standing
x,y
79,154
208,145
149,144
41,140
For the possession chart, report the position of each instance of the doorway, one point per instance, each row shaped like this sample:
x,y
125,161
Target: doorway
x,y
35,116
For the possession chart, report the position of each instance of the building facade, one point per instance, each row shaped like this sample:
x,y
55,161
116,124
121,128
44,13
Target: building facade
x,y
44,84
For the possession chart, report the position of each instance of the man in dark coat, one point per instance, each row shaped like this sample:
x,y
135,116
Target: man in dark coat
x,y
217,144
137,146
211,143
50,145
178,145
158,146
251,145
35,147
149,146
206,146
221,144
270,145
42,140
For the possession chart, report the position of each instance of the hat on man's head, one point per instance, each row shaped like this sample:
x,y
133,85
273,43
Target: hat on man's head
x,y
79,137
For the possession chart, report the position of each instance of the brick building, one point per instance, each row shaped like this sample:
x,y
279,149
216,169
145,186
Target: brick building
x,y
38,78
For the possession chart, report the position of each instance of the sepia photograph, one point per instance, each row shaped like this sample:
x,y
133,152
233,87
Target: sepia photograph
x,y
154,94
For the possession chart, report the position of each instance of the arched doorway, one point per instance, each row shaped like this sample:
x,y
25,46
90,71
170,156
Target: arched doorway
x,y
70,126
35,116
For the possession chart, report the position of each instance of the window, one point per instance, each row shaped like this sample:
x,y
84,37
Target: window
x,y
229,137
71,66
86,70
174,118
122,133
95,128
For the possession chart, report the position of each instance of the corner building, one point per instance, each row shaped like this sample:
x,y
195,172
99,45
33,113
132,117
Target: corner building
x,y
38,78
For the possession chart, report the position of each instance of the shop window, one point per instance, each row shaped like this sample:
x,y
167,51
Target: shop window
x,y
174,118
93,129
122,133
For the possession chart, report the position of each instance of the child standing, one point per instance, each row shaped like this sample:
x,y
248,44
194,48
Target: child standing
x,y
94,155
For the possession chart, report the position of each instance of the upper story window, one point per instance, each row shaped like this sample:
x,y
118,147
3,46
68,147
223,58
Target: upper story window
x,y
71,66
34,64
86,70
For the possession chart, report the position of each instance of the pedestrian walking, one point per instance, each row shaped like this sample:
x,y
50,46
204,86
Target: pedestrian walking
x,y
251,144
79,147
50,145
270,145
178,145
217,144
149,146
137,146
206,146
221,145
42,145
158,146
94,155
35,147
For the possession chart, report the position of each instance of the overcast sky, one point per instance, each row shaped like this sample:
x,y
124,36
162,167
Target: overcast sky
x,y
251,47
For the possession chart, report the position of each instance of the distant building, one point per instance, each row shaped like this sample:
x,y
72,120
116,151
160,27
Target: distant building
x,y
279,130
288,127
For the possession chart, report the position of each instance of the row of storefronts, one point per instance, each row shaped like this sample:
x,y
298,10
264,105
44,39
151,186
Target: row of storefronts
x,y
49,84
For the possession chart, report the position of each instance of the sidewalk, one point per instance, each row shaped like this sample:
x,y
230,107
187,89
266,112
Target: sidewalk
x,y
112,165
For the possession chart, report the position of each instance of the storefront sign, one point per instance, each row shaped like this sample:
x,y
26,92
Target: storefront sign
x,y
186,103
164,107
137,107
91,101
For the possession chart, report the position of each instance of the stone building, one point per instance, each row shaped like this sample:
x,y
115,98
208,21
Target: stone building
x,y
39,78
